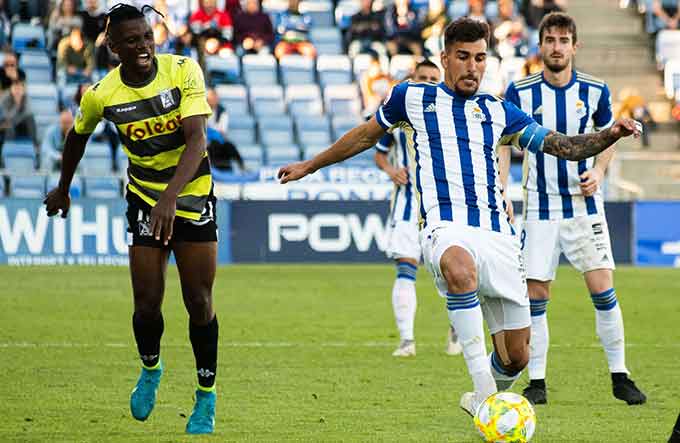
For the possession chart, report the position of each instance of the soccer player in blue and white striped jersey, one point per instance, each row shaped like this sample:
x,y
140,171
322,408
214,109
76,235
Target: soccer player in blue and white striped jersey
x,y
468,242
403,245
563,207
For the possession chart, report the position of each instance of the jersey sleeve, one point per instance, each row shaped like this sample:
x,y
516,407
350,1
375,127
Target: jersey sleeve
x,y
192,87
511,95
521,130
89,114
385,142
603,117
393,109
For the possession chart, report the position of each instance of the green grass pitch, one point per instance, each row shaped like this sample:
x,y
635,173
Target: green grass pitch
x,y
305,356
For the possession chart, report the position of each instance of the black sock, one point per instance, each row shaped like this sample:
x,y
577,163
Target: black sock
x,y
537,383
148,334
675,436
618,377
204,342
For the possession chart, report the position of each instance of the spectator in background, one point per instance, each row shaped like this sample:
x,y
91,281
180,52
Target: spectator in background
x,y
220,150
366,31
5,26
75,58
375,84
52,146
634,106
10,70
253,29
477,11
64,17
161,39
214,29
292,29
510,32
534,10
433,28
175,16
16,116
667,13
402,27
94,25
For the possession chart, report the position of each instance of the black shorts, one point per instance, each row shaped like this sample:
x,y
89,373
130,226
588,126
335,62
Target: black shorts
x,y
183,230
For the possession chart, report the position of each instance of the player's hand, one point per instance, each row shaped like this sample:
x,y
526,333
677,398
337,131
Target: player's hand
x,y
294,171
399,176
625,127
57,200
590,181
163,218
509,208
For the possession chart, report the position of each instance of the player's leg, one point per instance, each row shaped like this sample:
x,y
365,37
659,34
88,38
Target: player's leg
x,y
675,436
404,304
587,245
147,270
197,263
541,251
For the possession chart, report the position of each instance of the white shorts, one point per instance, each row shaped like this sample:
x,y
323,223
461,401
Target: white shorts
x,y
500,271
403,240
583,240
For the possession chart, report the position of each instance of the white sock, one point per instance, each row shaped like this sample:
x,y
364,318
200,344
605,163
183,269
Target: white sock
x,y
465,315
540,340
609,327
404,300
504,378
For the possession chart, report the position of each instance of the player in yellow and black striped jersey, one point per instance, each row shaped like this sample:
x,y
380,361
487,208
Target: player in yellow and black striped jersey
x,y
158,104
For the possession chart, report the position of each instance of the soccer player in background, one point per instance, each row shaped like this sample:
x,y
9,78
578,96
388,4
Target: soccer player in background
x,y
563,207
159,107
403,245
468,242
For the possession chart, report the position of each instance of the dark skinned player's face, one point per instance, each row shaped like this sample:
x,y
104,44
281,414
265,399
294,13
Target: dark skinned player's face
x,y
132,41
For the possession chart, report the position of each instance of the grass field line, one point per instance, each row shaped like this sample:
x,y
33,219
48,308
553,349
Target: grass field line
x,y
264,344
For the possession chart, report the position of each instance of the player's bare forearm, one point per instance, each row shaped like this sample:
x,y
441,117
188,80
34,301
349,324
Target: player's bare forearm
x,y
352,143
578,147
382,162
604,158
74,148
503,152
194,136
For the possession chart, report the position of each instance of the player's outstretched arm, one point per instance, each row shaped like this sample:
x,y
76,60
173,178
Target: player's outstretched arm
x,y
353,142
163,213
58,198
582,146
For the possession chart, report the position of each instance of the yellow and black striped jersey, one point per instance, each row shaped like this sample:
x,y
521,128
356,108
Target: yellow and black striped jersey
x,y
149,122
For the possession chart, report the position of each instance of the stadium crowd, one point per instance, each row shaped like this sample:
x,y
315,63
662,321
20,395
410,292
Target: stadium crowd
x,y
329,63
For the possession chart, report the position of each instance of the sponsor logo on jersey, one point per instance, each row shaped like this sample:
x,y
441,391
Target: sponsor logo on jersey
x,y
150,129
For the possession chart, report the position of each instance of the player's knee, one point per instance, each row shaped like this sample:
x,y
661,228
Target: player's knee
x,y
538,290
200,307
459,271
518,356
148,309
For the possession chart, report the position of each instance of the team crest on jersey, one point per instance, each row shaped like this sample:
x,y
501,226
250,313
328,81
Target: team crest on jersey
x,y
166,98
477,114
581,108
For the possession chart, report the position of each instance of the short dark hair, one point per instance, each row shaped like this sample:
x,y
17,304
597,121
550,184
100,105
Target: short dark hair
x,y
426,64
122,12
466,30
558,20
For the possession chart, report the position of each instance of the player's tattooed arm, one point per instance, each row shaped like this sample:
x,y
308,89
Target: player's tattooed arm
x,y
582,146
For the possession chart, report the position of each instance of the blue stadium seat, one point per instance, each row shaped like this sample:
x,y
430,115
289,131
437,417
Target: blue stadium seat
x,y
234,98
27,186
66,94
253,165
45,90
280,155
44,106
97,159
76,190
401,65
321,12
313,130
344,12
667,46
35,60
341,124
2,187
38,75
334,70
242,130
327,41
304,100
342,100
276,130
223,69
311,151
297,70
672,78
362,62
102,187
259,70
26,37
19,156
251,152
267,100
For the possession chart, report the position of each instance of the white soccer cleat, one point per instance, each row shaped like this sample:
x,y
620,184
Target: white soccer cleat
x,y
469,403
405,349
453,347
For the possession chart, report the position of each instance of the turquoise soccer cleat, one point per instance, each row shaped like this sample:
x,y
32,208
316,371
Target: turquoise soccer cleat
x,y
143,397
202,420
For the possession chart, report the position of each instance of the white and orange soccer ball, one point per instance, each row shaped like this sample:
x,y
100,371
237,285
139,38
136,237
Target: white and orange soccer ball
x,y
505,417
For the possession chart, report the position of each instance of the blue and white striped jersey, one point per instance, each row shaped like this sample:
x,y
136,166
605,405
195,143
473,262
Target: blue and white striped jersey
x,y
551,184
454,140
404,205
